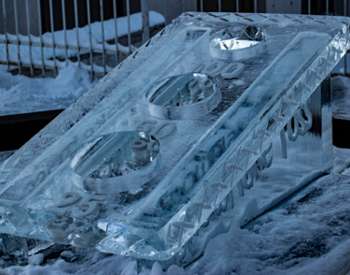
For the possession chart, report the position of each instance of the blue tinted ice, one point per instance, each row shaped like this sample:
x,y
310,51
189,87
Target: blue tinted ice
x,y
171,138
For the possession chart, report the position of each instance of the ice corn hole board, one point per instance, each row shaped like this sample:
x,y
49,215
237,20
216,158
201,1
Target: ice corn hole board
x,y
142,161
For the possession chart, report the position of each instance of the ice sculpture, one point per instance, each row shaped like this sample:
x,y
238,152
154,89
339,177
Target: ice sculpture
x,y
174,137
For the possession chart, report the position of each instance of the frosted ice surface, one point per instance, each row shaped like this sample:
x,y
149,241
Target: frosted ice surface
x,y
142,162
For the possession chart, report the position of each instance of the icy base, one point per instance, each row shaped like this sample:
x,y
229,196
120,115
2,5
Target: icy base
x,y
309,233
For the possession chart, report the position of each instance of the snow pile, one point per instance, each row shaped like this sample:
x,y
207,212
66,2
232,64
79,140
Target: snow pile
x,y
296,237
21,94
308,234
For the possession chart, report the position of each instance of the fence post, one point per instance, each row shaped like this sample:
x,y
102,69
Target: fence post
x,y
201,6
255,6
115,17
29,39
145,20
309,7
76,22
63,9
53,37
129,24
19,60
103,37
88,11
43,66
4,14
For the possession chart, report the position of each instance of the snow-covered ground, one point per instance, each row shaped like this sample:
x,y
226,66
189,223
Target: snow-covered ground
x,y
21,94
309,234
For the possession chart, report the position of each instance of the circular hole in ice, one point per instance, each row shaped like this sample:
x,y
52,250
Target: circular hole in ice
x,y
233,45
183,96
116,155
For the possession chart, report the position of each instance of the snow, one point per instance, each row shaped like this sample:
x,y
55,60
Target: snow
x,y
21,94
4,156
310,234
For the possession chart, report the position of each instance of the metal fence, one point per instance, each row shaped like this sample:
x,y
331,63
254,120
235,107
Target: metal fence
x,y
41,36
96,46
309,7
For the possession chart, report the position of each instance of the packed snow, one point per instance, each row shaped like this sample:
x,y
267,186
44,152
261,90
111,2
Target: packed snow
x,y
21,94
309,234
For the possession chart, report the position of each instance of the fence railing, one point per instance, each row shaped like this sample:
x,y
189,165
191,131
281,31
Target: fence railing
x,y
98,45
310,7
41,36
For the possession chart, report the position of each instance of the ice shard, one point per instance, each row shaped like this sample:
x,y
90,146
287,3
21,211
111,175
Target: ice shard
x,y
174,136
